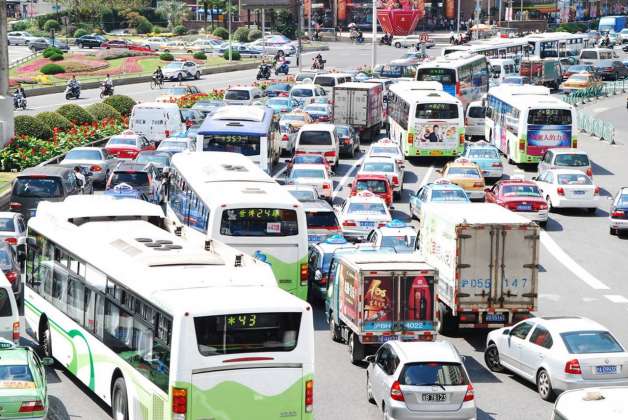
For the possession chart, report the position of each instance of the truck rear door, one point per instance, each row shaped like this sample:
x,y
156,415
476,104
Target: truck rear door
x,y
476,265
415,302
341,106
517,270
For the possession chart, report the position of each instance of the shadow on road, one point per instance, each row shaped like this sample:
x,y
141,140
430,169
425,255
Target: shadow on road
x,y
553,225
483,415
479,373
600,170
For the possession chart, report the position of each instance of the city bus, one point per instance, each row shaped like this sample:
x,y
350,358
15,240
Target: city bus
x,y
140,317
224,196
515,48
463,75
246,129
524,121
557,44
425,120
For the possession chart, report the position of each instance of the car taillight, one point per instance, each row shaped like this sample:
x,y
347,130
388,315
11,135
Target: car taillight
x,y
496,164
560,191
395,392
303,272
511,206
323,281
395,179
15,205
457,88
461,138
284,137
330,153
11,241
346,140
470,395
589,172
597,190
11,276
95,168
326,186
522,144
31,406
573,367
16,331
179,403
617,214
309,395
381,224
349,223
167,133
478,184
539,206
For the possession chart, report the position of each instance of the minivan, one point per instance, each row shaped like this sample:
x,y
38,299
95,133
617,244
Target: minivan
x,y
142,177
242,95
502,67
593,55
566,158
9,315
474,121
319,138
330,80
156,120
50,183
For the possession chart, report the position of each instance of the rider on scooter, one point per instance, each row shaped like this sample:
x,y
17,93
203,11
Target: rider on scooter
x,y
19,94
108,84
74,84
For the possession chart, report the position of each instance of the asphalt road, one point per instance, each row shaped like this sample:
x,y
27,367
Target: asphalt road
x,y
583,270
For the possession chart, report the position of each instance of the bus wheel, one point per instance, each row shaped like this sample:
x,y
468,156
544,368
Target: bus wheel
x,y
45,343
356,349
119,401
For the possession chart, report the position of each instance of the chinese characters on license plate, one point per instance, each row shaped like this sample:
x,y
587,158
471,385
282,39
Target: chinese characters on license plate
x,y
437,397
605,370
498,317
367,224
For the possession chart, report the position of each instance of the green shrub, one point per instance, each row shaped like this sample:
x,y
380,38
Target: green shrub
x,y
254,34
25,125
52,68
54,119
76,114
241,34
199,55
123,104
22,25
50,51
221,32
180,30
51,25
159,29
56,57
235,55
101,111
144,26
166,56
79,33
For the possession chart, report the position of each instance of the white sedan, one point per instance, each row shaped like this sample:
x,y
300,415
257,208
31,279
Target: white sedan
x,y
387,147
558,354
568,188
361,214
387,166
312,174
12,228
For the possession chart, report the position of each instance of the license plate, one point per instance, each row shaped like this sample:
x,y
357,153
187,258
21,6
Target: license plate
x,y
386,338
32,212
436,153
315,238
367,224
524,208
579,192
496,317
605,370
438,397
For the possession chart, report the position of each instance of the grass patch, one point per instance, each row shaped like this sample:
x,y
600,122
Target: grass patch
x,y
5,180
149,65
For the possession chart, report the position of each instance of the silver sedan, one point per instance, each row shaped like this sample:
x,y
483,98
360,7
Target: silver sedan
x,y
93,159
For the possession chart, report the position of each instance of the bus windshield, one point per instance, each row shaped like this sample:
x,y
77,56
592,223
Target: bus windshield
x,y
549,117
438,111
444,76
259,222
246,145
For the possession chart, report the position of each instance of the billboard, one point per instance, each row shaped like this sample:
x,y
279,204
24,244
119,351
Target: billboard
x,y
543,137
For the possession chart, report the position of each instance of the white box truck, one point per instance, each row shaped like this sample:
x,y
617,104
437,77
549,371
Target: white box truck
x,y
361,106
487,259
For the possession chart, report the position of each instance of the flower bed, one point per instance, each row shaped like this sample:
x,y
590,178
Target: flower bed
x,y
114,53
33,66
188,101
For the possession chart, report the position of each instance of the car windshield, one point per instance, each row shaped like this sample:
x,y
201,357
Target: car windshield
x,y
461,172
302,93
572,160
278,87
174,66
175,91
16,376
321,219
378,167
172,145
399,241
134,179
124,141
483,154
314,159
384,150
585,342
238,95
433,373
367,208
279,101
373,185
7,225
303,195
161,160
449,195
37,187
521,191
83,155
574,179
476,112
579,78
307,173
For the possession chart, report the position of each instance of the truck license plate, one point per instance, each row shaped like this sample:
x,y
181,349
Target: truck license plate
x,y
496,317
386,338
438,397
605,370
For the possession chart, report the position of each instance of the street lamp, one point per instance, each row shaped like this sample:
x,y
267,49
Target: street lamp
x,y
229,28
374,40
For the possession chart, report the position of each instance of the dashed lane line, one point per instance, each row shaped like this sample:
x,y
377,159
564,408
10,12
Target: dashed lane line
x,y
616,298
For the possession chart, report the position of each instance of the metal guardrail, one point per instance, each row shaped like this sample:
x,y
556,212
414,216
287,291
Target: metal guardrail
x,y
23,59
604,130
582,96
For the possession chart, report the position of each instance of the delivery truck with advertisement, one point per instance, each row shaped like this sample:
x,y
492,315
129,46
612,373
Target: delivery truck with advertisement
x,y
374,297
361,106
487,259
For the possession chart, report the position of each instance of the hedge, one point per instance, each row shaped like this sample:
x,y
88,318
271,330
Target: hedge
x,y
180,30
52,68
254,34
100,111
54,120
241,34
80,32
144,26
76,114
235,55
51,51
166,56
56,57
199,55
123,104
221,32
26,125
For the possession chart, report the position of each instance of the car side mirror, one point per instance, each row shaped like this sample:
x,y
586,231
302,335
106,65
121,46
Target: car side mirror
x,y
439,171
370,359
534,178
350,185
47,361
318,275
506,331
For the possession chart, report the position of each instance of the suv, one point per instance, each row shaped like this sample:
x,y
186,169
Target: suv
x,y
179,70
319,138
143,177
90,41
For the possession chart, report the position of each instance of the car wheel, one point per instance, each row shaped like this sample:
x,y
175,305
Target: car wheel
x,y
369,389
544,386
197,75
119,401
491,358
613,232
397,44
412,215
45,342
543,224
180,77
550,207
356,349
334,331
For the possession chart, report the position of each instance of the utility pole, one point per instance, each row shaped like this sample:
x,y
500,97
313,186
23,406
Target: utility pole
x,y
229,29
6,102
300,35
374,40
458,20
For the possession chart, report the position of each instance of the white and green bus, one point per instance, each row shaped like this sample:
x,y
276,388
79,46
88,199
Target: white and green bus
x,y
425,120
224,196
160,329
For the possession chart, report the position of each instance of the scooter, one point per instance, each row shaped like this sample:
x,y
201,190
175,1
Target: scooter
x,y
72,92
263,72
106,90
282,68
318,65
19,101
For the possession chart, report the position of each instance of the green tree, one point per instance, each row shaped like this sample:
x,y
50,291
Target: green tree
x,y
174,11
51,25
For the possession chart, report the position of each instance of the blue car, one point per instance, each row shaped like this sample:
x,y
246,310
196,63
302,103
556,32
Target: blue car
x,y
277,89
318,112
487,157
440,191
281,105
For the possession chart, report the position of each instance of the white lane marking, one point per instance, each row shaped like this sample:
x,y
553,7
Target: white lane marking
x,y
616,298
569,263
281,171
589,299
427,176
344,178
600,110
548,296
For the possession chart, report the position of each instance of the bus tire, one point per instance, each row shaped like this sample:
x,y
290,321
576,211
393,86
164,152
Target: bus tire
x,y
44,338
119,400
356,349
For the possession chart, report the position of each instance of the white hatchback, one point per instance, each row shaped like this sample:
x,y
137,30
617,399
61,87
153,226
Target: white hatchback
x,y
321,139
315,175
568,188
384,165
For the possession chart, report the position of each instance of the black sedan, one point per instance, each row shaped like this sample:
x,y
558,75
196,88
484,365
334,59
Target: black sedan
x,y
90,41
611,69
349,140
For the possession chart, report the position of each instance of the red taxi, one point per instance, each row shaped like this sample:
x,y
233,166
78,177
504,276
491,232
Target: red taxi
x,y
128,145
521,196
375,183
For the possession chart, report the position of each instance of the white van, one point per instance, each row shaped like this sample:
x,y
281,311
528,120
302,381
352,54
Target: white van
x,y
320,139
608,403
474,121
502,67
156,120
593,55
9,315
330,80
308,93
242,95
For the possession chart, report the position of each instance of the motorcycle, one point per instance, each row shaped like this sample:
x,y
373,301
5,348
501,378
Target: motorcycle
x,y
386,40
19,101
282,68
318,64
72,92
106,90
264,72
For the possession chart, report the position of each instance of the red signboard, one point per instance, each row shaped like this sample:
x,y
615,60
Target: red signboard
x,y
401,21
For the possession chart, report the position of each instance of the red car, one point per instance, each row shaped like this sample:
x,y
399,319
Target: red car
x,y
128,145
377,184
520,196
313,158
115,43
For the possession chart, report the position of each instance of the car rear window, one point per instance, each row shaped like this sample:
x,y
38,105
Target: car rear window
x,y
122,141
433,373
476,112
521,190
303,195
484,154
384,150
320,219
367,208
377,186
325,81
302,93
7,225
315,138
449,195
238,95
378,167
572,160
585,342
464,172
247,333
16,376
308,173
399,241
591,55
5,303
574,179
134,179
309,159
39,187
83,154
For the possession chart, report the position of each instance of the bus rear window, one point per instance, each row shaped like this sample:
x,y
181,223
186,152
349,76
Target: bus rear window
x,y
437,111
315,138
246,145
37,187
247,333
134,179
549,117
444,76
259,222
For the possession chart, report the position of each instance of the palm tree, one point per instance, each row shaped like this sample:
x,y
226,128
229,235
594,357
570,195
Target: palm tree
x,y
175,12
